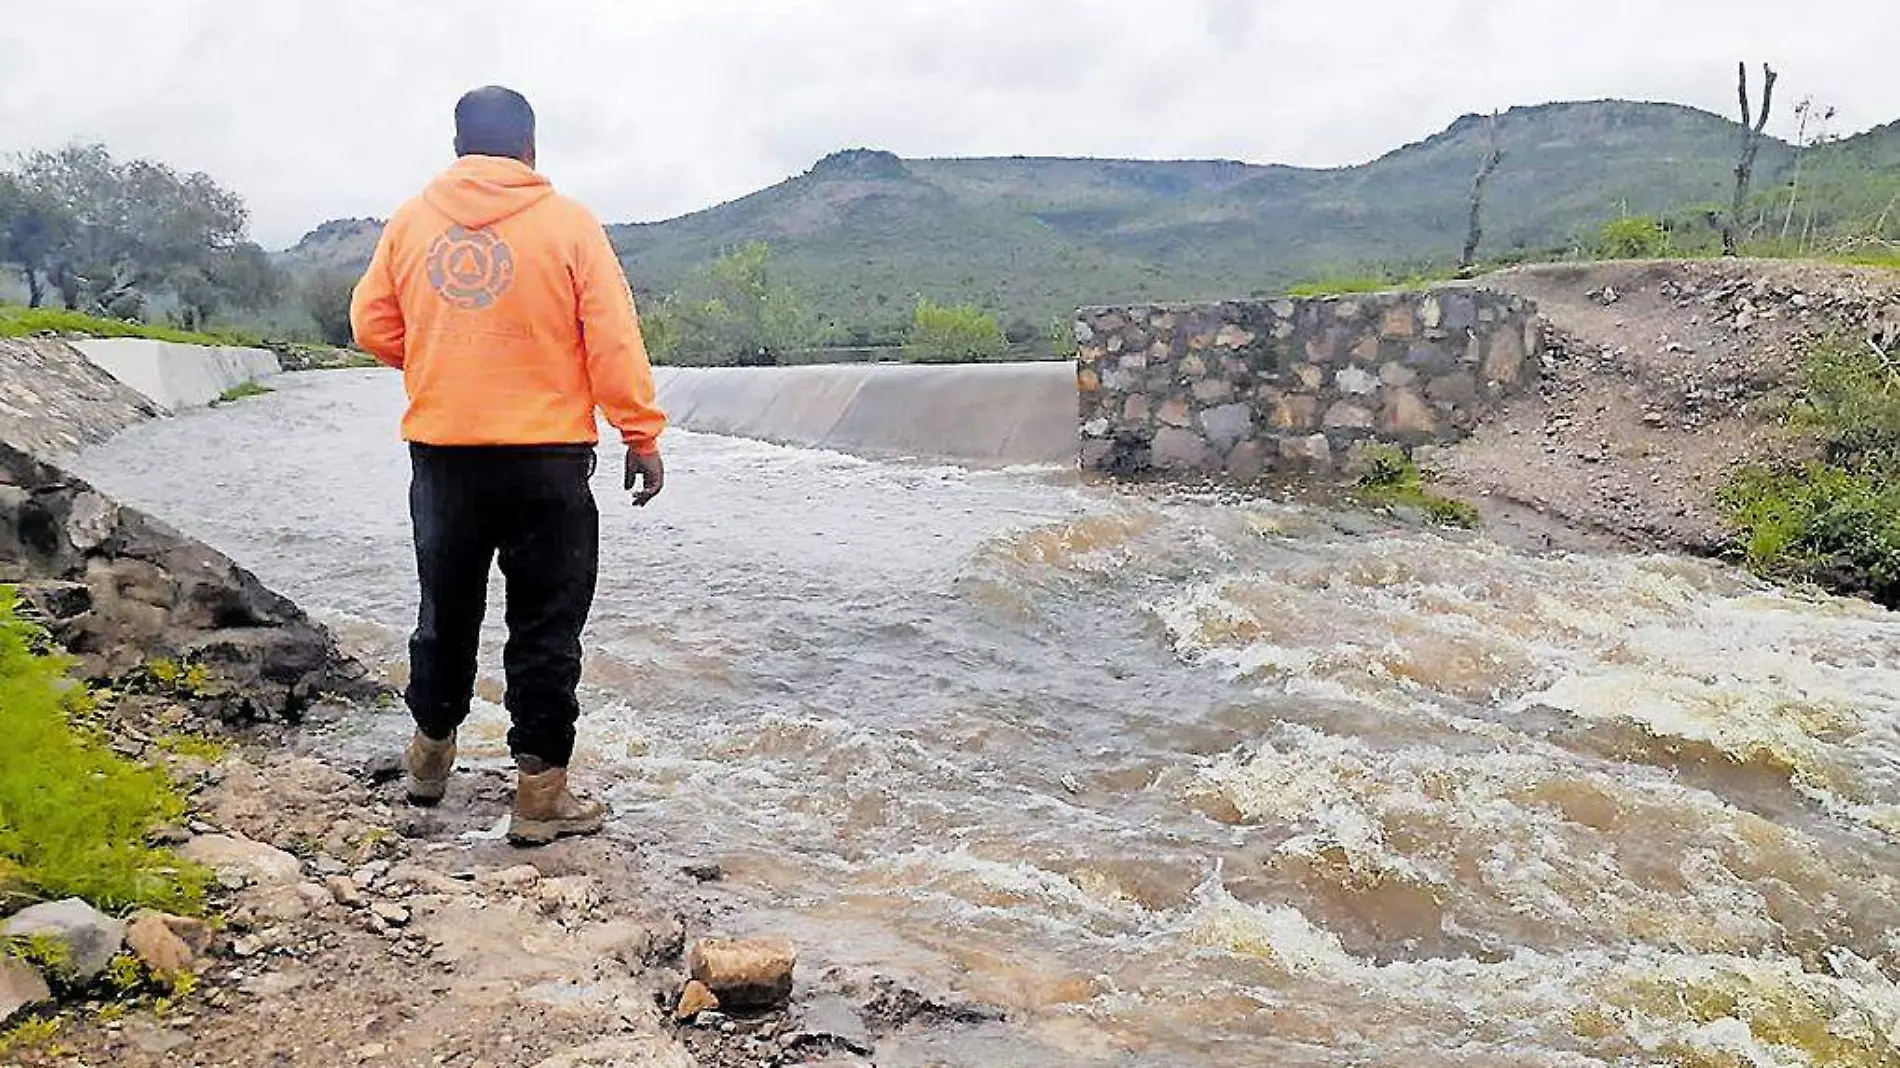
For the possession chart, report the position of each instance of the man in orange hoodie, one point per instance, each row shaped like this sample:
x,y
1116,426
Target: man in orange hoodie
x,y
506,310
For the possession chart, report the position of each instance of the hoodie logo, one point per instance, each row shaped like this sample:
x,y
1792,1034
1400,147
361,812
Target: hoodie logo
x,y
471,269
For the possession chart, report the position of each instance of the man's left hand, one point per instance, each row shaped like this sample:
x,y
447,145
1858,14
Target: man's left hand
x,y
647,472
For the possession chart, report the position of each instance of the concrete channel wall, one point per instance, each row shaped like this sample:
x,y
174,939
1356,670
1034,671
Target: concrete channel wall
x,y
177,377
992,415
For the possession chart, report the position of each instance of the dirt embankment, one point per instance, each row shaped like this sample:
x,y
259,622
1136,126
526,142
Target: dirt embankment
x,y
1663,377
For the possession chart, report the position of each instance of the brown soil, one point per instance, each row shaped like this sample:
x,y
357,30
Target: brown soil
x,y
1663,377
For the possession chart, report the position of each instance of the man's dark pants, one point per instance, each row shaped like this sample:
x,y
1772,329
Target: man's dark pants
x,y
532,507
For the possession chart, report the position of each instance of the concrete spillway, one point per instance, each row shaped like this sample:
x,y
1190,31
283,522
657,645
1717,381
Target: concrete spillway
x,y
985,414
178,376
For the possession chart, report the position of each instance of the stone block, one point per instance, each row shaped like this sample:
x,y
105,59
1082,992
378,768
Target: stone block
x,y
1346,415
1176,449
1431,357
1087,381
1247,461
1137,409
1397,374
1367,350
1399,321
1295,412
1213,390
1309,377
1406,413
1233,337
1319,348
1227,425
1459,311
1458,389
1504,357
1312,453
1176,413
1193,367
1356,382
1431,314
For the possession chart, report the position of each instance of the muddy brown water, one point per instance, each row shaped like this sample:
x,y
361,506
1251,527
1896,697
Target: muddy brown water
x,y
1174,780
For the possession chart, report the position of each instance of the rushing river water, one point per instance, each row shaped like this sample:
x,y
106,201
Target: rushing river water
x,y
1181,781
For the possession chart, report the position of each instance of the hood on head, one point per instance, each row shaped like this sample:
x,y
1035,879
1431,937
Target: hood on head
x,y
480,191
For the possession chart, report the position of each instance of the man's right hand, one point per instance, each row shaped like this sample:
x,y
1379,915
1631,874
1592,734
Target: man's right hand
x,y
647,472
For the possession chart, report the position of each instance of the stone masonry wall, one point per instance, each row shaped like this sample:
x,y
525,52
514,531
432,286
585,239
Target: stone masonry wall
x,y
1243,388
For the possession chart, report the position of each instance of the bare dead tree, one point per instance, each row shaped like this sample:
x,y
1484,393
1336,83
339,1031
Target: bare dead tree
x,y
1753,128
1474,233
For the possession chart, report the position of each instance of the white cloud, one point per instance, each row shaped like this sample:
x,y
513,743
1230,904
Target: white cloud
x,y
320,108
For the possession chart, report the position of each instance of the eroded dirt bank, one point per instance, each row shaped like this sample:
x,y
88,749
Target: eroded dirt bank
x,y
1664,377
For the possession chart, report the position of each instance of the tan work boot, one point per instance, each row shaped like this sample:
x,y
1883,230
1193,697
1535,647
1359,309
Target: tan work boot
x,y
428,763
546,810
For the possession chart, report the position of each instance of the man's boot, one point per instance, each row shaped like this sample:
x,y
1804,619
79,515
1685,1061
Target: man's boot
x,y
546,810
428,764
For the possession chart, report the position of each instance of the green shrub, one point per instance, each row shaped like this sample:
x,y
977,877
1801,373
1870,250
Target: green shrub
x,y
74,814
954,333
1369,283
1388,477
1834,521
1633,237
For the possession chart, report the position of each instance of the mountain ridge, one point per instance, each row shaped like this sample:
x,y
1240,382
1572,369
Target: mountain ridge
x,y
863,233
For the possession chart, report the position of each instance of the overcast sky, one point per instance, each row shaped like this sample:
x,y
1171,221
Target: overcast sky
x,y
315,109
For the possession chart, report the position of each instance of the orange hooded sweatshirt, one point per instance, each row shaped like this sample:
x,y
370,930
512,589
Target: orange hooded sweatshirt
x,y
506,310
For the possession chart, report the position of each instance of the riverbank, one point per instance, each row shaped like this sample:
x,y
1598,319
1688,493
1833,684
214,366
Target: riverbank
x,y
1665,378
347,924
1291,784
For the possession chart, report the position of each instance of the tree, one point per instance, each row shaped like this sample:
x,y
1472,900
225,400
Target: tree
x,y
729,312
1753,128
961,333
326,299
31,229
1474,232
131,228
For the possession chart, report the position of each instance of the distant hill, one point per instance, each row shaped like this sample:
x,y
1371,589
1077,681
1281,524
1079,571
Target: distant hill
x,y
863,233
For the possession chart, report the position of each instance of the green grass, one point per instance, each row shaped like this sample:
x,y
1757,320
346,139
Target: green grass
x,y
1340,287
1832,520
16,321
1390,479
74,814
241,391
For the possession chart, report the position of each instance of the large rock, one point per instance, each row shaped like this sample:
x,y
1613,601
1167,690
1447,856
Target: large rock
x,y
90,938
167,945
121,590
236,855
744,975
21,988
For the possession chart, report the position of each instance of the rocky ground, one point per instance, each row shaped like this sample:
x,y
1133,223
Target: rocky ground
x,y
1663,378
354,929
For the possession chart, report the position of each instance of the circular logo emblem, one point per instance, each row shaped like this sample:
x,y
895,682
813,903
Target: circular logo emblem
x,y
471,269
